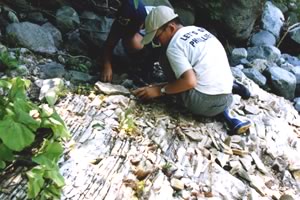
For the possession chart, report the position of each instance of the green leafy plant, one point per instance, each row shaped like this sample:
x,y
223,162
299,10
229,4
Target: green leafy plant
x,y
140,188
78,63
63,92
83,89
167,166
32,133
7,62
127,122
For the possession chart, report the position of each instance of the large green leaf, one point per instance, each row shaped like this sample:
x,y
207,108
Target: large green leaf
x,y
60,130
58,127
50,119
36,181
18,89
8,61
50,155
14,135
52,192
5,153
21,109
55,176
25,105
5,84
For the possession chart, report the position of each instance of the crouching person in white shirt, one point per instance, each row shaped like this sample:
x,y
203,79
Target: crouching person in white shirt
x,y
199,65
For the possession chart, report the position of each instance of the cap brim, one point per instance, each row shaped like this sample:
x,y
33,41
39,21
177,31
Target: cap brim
x,y
148,37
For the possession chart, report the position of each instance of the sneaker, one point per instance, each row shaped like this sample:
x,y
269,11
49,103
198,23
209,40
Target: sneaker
x,y
237,126
240,127
240,90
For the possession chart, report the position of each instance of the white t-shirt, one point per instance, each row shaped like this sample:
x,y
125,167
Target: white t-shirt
x,y
194,47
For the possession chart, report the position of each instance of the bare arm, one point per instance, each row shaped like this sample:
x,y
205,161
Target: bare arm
x,y
186,82
109,45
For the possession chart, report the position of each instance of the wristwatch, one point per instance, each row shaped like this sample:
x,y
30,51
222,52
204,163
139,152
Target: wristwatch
x,y
163,90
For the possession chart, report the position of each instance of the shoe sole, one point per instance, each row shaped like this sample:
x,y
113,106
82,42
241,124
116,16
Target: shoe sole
x,y
242,129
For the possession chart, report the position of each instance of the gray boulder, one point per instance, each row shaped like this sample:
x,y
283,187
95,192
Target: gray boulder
x,y
237,55
67,19
56,34
95,28
256,76
297,104
293,60
259,64
239,17
51,70
282,82
79,77
75,44
272,19
31,36
269,53
263,38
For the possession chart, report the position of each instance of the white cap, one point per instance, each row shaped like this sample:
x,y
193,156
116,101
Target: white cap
x,y
156,19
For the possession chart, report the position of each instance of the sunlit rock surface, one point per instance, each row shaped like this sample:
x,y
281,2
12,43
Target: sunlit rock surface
x,y
124,149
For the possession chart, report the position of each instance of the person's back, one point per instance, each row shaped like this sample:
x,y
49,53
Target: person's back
x,y
194,47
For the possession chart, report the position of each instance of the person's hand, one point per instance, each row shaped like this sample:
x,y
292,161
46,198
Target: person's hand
x,y
106,75
148,92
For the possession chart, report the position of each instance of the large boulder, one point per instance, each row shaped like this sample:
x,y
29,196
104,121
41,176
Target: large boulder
x,y
236,18
269,53
95,28
282,82
31,36
56,34
256,76
262,38
272,19
67,19
239,16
